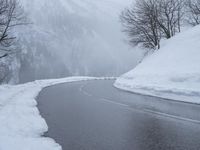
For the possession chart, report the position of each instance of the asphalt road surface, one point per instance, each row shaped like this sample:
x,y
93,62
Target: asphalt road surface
x,y
93,115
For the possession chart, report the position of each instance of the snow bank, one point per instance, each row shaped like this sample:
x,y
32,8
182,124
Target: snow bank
x,y
21,126
172,72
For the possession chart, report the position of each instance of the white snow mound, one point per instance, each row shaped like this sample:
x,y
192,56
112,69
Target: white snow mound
x,y
172,72
21,126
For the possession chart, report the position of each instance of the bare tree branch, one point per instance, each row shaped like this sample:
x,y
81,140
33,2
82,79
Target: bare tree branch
x,y
11,15
193,7
140,23
147,21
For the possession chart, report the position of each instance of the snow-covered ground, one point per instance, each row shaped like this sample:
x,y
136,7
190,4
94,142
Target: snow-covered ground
x,y
21,126
172,72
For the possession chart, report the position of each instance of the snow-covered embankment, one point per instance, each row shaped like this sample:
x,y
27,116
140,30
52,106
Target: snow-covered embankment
x,y
21,126
172,72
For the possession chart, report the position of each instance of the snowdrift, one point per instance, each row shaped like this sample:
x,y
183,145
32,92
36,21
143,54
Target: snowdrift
x,y
21,125
173,72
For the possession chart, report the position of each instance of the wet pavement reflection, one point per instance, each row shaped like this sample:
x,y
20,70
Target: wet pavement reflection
x,y
80,116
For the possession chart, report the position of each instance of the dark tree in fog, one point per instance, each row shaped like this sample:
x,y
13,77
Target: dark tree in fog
x,y
140,23
147,21
11,15
193,7
170,16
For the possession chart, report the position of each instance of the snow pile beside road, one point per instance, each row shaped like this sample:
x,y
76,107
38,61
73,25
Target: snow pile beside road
x,y
21,126
172,72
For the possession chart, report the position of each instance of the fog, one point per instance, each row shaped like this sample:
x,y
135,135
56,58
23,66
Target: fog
x,y
74,37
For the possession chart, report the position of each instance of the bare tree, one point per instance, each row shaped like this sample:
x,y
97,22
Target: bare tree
x,y
4,71
193,7
11,15
140,23
147,21
170,16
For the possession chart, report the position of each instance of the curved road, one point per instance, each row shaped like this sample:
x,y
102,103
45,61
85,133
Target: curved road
x,y
93,115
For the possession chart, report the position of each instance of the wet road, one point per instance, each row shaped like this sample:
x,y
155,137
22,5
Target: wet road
x,y
94,115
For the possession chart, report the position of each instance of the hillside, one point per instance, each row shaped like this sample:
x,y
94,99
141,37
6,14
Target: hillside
x,y
70,37
172,72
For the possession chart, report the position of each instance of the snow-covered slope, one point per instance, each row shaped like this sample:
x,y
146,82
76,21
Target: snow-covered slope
x,y
73,37
172,72
21,126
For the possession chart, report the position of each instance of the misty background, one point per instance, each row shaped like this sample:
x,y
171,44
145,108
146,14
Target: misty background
x,y
72,37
